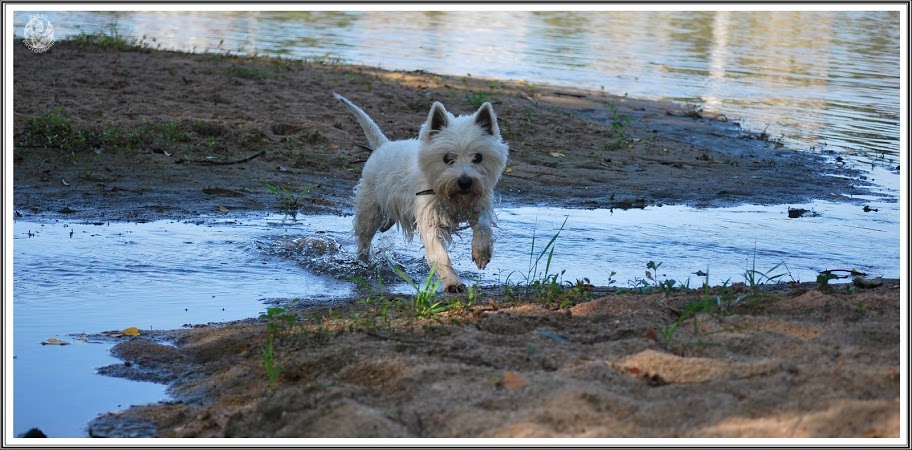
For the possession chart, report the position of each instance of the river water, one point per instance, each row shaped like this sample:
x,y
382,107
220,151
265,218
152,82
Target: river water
x,y
824,81
821,80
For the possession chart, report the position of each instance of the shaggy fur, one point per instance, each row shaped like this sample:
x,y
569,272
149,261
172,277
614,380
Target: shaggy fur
x,y
433,184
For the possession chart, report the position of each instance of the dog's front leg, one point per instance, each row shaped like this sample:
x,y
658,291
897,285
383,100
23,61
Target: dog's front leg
x,y
482,241
437,256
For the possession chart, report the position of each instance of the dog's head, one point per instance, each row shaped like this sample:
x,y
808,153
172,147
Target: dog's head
x,y
462,157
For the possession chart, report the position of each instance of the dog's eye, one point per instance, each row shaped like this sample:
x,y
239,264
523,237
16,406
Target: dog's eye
x,y
477,158
449,159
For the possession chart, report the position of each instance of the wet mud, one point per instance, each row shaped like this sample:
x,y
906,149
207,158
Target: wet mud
x,y
103,134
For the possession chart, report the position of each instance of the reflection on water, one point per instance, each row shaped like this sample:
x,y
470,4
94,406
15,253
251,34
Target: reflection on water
x,y
822,80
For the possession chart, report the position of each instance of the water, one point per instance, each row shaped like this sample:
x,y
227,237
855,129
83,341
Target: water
x,y
71,278
819,80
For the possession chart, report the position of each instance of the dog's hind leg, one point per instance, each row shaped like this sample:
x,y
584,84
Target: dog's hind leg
x,y
368,220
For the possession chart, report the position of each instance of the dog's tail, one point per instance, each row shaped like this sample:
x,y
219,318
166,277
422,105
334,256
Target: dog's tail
x,y
375,137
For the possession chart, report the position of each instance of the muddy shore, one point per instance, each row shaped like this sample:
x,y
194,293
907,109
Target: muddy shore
x,y
104,133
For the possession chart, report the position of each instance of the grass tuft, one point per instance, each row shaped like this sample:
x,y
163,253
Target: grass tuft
x,y
289,199
424,305
112,39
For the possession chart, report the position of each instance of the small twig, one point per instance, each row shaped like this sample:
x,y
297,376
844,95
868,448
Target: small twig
x,y
850,272
569,94
220,163
532,100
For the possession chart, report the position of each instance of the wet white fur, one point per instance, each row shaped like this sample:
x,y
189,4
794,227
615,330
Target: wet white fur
x,y
397,170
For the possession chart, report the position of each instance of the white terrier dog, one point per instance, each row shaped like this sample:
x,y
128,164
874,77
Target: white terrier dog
x,y
435,183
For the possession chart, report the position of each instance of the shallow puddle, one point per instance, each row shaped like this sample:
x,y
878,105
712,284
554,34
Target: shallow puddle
x,y
71,278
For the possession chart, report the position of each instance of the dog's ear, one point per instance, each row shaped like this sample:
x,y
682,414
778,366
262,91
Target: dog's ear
x,y
486,119
437,119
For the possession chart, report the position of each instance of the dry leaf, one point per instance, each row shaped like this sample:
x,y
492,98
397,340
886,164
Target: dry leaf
x,y
508,170
55,341
513,381
223,209
132,331
557,154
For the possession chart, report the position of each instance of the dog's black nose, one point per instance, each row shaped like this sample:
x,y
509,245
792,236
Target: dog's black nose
x,y
464,182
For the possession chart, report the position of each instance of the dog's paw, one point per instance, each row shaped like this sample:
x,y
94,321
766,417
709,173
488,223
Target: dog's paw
x,y
482,249
482,256
455,288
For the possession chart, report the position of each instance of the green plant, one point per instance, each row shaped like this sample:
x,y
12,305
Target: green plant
x,y
755,278
544,278
461,304
477,99
170,132
541,283
51,129
280,320
651,140
823,279
617,129
646,285
578,292
546,286
112,39
424,305
289,199
367,80
382,304
666,285
324,59
611,279
668,331
272,369
92,176
245,71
